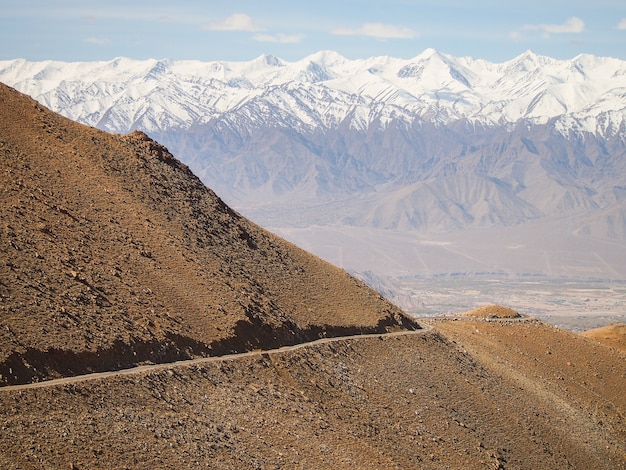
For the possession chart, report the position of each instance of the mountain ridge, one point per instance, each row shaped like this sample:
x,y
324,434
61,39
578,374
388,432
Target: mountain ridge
x,y
426,145
114,253
432,84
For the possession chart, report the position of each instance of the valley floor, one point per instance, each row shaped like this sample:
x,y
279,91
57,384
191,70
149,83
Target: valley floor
x,y
575,305
573,281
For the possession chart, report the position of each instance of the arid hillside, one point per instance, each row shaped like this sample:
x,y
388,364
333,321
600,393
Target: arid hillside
x,y
114,258
467,394
611,335
113,253
492,311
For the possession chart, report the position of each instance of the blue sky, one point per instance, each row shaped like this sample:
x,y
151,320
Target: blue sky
x,y
75,30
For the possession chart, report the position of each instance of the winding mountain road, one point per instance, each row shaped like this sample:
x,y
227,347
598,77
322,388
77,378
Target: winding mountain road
x,y
203,360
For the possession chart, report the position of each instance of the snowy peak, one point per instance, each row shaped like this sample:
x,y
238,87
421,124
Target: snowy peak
x,y
435,72
431,86
529,62
327,58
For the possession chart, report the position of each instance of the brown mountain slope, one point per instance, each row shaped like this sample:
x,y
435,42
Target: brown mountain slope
x,y
578,383
492,311
113,253
610,335
453,397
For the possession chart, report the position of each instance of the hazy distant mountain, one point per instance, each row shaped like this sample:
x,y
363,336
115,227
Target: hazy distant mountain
x,y
430,143
348,158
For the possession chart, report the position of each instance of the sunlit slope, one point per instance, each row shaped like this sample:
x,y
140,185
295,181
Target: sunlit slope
x,y
113,253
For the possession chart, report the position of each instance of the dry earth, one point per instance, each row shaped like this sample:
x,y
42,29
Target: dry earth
x,y
467,394
492,311
113,254
579,381
610,335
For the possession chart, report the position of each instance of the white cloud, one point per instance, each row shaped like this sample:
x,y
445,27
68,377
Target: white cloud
x,y
621,24
378,30
279,38
571,25
235,22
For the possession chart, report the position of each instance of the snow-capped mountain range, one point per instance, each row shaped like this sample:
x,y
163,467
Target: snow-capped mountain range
x,y
433,143
327,91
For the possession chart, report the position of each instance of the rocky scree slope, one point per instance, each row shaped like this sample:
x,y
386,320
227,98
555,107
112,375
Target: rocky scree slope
x,y
471,393
113,253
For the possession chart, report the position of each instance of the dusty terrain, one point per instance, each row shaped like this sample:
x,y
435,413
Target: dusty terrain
x,y
467,394
613,335
114,255
492,311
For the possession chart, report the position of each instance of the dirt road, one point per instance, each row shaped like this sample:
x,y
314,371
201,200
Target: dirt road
x,y
227,357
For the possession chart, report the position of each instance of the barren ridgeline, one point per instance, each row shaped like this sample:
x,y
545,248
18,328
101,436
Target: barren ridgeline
x,y
116,258
114,254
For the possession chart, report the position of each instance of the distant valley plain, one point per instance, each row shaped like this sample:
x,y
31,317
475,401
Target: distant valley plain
x,y
576,283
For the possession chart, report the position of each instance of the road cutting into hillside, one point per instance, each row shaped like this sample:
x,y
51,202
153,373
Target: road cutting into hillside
x,y
203,360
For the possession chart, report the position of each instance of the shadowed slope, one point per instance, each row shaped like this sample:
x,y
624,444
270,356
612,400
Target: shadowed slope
x,y
114,253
